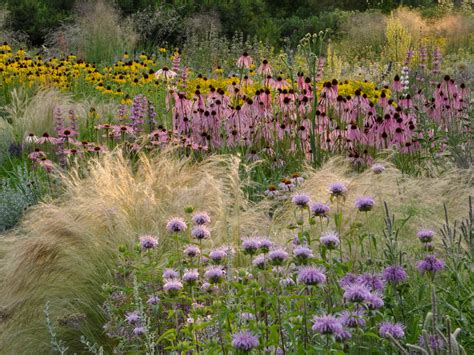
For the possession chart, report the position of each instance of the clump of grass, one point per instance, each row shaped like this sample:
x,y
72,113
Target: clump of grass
x,y
98,33
64,249
418,199
35,113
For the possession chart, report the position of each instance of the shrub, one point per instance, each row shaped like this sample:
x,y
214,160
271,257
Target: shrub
x,y
97,33
18,192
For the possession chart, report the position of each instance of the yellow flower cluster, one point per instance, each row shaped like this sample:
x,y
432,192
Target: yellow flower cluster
x,y
349,87
19,69
126,78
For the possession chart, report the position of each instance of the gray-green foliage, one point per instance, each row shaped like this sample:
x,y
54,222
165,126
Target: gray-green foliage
x,y
17,192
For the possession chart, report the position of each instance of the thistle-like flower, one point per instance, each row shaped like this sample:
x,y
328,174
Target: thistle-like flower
x,y
176,225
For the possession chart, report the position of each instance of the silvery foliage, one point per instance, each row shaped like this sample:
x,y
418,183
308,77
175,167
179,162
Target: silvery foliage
x,y
17,192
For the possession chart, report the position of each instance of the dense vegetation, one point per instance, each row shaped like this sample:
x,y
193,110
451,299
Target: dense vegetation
x,y
267,177
274,21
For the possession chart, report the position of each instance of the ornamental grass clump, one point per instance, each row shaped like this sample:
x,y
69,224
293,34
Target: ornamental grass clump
x,y
190,292
64,250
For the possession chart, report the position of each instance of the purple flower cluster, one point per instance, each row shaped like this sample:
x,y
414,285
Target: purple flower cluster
x,y
301,199
148,242
172,285
337,189
430,264
396,330
327,325
330,240
311,275
217,255
303,253
425,235
191,276
250,245
201,218
277,256
244,341
319,209
191,251
200,232
176,225
364,203
214,274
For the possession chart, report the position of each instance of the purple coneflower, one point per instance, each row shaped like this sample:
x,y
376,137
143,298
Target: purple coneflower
x,y
430,264
364,203
330,240
394,274
277,256
165,73
378,168
300,199
337,189
200,232
132,317
176,225
319,209
425,235
327,325
311,275
148,242
201,218
396,330
191,251
244,61
244,341
214,274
